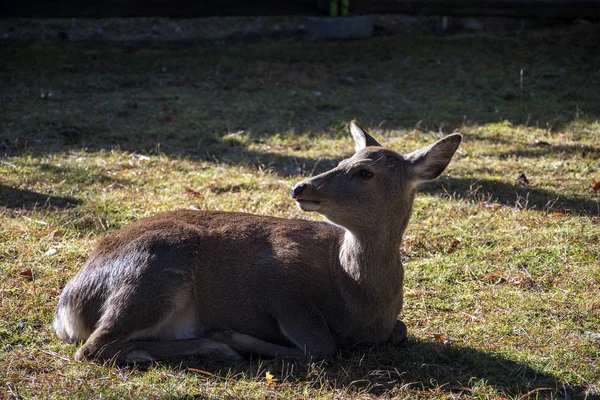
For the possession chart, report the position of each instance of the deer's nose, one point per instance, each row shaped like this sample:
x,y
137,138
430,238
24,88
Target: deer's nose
x,y
297,190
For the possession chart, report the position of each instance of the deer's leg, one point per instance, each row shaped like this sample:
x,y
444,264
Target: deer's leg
x,y
305,328
106,344
145,351
135,329
249,344
398,335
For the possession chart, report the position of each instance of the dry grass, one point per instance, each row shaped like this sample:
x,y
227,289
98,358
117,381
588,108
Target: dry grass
x,y
502,277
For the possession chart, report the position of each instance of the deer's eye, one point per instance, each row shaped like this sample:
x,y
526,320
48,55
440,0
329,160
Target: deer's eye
x,y
364,174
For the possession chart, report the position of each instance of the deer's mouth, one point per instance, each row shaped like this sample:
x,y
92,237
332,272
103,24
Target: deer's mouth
x,y
308,205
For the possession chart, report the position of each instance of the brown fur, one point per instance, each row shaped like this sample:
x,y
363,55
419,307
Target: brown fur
x,y
216,283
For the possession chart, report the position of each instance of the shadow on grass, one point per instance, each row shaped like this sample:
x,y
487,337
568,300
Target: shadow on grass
x,y
553,150
512,195
173,100
12,197
425,366
418,367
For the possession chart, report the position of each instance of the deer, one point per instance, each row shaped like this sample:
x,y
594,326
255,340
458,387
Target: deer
x,y
225,284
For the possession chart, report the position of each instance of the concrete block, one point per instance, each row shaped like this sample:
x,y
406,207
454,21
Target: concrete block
x,y
352,27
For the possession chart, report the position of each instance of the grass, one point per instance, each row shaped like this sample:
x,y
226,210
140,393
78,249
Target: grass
x,y
502,277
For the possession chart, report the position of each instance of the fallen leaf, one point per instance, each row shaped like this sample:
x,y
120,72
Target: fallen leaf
x,y
193,193
453,246
596,186
442,339
200,371
169,118
27,273
439,337
558,214
271,380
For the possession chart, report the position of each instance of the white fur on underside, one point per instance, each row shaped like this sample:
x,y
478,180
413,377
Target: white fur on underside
x,y
179,324
69,326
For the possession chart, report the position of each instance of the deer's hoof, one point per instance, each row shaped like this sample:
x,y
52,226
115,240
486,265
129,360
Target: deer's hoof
x,y
79,356
399,334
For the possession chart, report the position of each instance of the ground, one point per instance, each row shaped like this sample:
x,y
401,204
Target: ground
x,y
502,254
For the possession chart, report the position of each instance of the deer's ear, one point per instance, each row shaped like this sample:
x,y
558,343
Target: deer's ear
x,y
361,138
428,163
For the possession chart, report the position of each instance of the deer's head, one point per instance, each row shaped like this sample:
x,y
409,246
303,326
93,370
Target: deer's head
x,y
376,185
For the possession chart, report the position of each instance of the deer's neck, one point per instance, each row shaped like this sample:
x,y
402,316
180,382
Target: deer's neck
x,y
371,259
372,276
